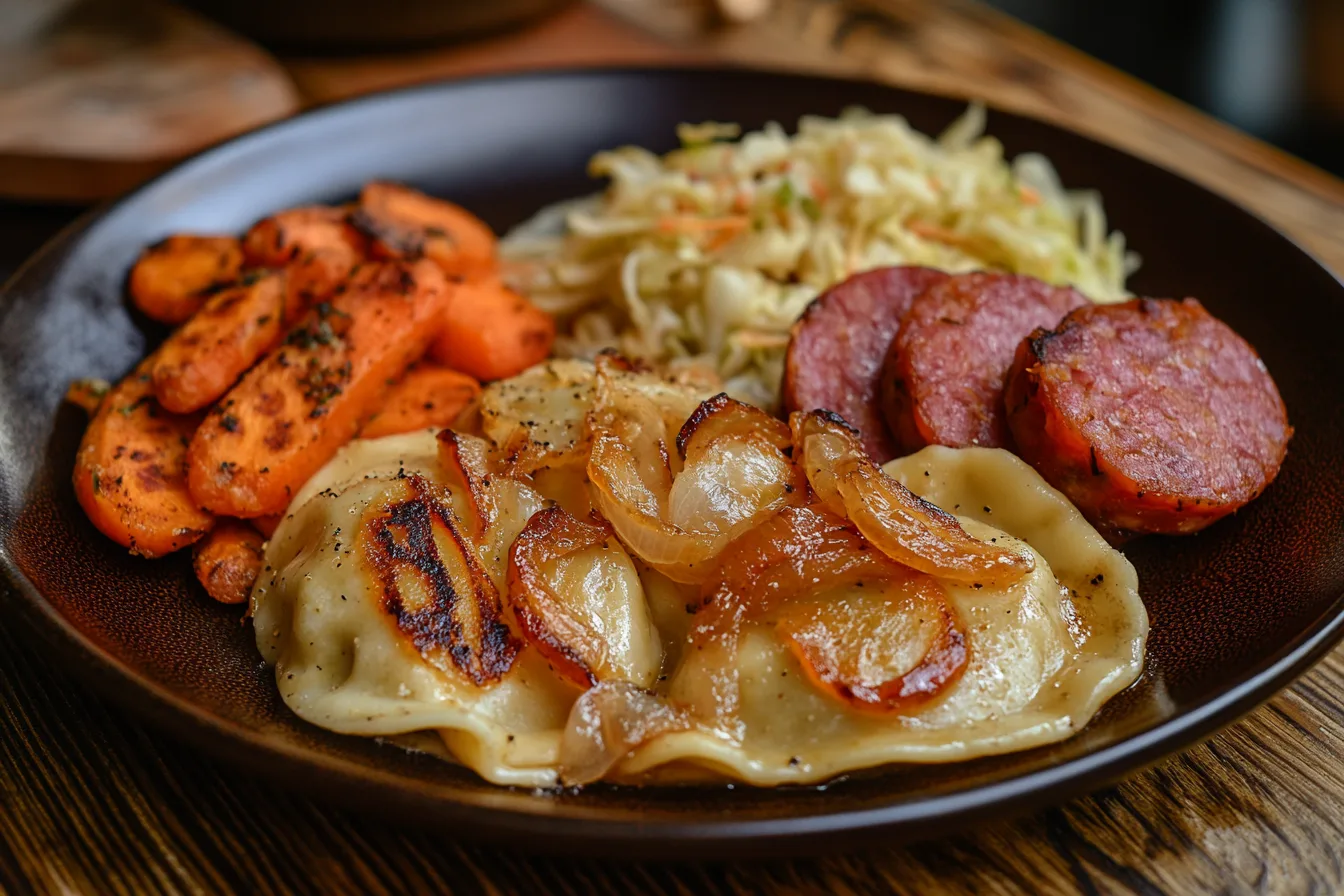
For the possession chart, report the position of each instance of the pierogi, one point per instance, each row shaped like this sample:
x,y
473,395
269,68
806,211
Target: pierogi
x,y
419,585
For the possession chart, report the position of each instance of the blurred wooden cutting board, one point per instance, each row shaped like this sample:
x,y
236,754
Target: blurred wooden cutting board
x,y
118,90
113,92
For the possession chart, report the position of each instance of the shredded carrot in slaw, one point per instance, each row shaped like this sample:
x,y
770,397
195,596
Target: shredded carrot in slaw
x,y
691,224
686,252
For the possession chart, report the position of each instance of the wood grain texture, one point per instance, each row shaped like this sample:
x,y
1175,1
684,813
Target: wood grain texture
x,y
91,801
576,36
955,47
117,90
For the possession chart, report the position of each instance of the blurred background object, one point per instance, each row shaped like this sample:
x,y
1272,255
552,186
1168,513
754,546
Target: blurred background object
x,y
21,20
96,95
1274,68
355,26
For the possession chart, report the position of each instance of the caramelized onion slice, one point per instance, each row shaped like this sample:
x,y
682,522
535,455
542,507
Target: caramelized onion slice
x,y
609,721
674,395
898,522
538,420
735,476
724,416
759,571
887,646
433,587
797,552
622,411
493,507
467,471
736,471
578,599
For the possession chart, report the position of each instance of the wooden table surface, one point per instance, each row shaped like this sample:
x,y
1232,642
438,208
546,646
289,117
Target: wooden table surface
x,y
92,801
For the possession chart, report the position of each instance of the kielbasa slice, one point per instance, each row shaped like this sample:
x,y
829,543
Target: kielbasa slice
x,y
1151,415
942,381
836,349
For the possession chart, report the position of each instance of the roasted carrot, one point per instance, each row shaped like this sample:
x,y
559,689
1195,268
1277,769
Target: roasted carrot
x,y
204,357
131,471
405,223
940,234
299,404
315,243
267,525
88,394
428,395
173,277
228,560
492,332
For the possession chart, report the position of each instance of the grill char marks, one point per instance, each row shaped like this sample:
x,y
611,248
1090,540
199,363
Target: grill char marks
x,y
456,619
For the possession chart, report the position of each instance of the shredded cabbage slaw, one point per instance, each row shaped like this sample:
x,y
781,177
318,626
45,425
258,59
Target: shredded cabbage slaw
x,y
706,256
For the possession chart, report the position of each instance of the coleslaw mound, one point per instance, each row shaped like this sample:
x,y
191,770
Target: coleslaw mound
x,y
706,256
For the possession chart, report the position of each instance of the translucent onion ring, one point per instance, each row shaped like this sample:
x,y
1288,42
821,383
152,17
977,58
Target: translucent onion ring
x,y
575,651
898,522
820,652
631,472
799,552
463,459
610,720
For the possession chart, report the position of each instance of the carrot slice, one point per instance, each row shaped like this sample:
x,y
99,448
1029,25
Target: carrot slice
x,y
267,525
405,223
173,277
131,471
315,243
228,561
492,333
299,404
204,357
88,394
427,396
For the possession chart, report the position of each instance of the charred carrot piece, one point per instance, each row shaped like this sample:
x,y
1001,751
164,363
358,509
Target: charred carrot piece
x,y
228,561
492,332
131,471
204,357
172,278
316,244
429,395
405,223
299,404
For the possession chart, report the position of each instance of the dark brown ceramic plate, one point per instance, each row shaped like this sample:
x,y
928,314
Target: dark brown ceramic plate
x,y
1237,611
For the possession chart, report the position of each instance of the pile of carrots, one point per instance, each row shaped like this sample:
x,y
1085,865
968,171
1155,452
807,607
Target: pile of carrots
x,y
321,324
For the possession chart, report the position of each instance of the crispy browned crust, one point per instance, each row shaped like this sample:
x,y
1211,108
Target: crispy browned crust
x,y
1151,415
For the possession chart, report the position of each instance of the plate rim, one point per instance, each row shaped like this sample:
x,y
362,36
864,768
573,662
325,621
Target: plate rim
x,y
380,791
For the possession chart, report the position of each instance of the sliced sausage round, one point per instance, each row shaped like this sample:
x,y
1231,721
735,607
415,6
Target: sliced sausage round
x,y
942,381
1151,415
836,349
